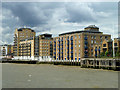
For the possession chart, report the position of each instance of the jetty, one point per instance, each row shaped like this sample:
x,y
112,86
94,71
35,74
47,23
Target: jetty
x,y
101,63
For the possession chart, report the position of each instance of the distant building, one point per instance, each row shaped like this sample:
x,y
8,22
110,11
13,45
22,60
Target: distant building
x,y
6,50
107,45
79,44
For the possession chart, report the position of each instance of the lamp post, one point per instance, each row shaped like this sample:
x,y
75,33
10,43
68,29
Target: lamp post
x,y
113,43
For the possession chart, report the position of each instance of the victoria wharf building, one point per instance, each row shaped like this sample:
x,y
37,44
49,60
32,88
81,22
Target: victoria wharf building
x,y
75,45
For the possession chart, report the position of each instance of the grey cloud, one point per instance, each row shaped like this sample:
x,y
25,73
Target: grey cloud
x,y
80,13
48,16
31,14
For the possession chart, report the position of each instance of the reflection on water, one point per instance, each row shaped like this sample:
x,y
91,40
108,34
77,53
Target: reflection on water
x,y
53,76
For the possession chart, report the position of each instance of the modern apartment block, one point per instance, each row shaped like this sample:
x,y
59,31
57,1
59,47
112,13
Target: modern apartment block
x,y
74,45
46,45
6,50
19,35
107,45
26,48
29,46
38,46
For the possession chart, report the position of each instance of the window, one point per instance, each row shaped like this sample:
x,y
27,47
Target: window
x,y
94,37
91,41
75,45
75,36
75,54
100,37
68,38
115,44
91,45
106,37
104,45
75,41
92,53
95,41
91,50
79,36
79,45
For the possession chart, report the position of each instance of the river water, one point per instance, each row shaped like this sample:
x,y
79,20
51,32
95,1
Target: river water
x,y
56,76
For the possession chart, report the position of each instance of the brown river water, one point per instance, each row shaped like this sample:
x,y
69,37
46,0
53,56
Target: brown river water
x,y
56,76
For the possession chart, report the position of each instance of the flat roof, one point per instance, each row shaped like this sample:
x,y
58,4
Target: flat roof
x,y
83,31
20,29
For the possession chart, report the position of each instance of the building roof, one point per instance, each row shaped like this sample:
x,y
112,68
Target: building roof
x,y
92,26
83,31
20,29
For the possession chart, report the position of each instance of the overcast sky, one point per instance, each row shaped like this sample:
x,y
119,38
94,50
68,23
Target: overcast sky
x,y
59,17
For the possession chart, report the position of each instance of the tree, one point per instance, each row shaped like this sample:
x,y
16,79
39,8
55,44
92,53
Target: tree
x,y
106,53
102,54
118,53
